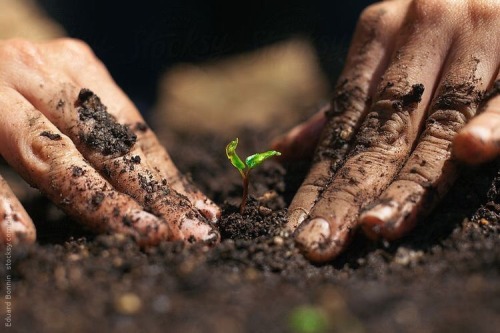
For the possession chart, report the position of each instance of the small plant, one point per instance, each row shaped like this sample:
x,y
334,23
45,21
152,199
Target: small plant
x,y
244,168
308,319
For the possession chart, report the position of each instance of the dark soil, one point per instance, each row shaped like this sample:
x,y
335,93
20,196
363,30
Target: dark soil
x,y
101,131
51,136
444,277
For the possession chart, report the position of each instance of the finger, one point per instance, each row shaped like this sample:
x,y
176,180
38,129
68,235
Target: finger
x,y
95,75
108,145
299,143
126,166
15,224
430,171
479,141
383,142
368,56
48,160
159,159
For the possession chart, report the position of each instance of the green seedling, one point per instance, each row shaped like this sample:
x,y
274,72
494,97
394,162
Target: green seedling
x,y
244,168
308,319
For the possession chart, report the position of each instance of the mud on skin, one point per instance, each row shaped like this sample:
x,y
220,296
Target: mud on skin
x,y
104,133
492,92
262,281
336,137
51,136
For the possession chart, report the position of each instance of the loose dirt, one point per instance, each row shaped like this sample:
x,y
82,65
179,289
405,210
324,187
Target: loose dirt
x,y
441,278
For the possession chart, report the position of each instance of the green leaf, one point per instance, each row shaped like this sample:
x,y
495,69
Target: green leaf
x,y
308,319
256,159
233,157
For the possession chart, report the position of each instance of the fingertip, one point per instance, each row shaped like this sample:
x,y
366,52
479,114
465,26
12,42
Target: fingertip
x,y
372,226
151,229
16,225
285,145
473,145
374,220
197,230
386,222
299,142
17,228
208,209
314,238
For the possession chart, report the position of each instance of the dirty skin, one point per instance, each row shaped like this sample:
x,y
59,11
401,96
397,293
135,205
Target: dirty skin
x,y
457,102
104,133
492,92
51,136
337,135
350,95
111,147
384,126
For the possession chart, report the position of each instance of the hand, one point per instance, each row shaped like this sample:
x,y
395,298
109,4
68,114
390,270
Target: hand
x,y
101,165
416,73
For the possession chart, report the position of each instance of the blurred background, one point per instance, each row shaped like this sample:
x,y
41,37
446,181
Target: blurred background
x,y
257,60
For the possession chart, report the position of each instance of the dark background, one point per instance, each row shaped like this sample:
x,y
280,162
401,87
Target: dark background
x,y
138,40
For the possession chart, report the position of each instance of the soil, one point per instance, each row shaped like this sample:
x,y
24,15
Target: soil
x,y
444,277
104,134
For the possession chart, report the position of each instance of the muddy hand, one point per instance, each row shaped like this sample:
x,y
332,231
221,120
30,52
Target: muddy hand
x,y
415,74
92,155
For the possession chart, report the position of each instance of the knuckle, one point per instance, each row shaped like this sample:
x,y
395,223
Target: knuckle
x,y
388,90
481,11
371,12
376,18
76,45
76,48
431,11
402,93
44,153
20,45
149,143
444,124
348,101
22,50
456,103
390,117
53,151
384,130
425,166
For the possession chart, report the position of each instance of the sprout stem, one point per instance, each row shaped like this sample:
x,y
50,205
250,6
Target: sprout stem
x,y
244,197
244,168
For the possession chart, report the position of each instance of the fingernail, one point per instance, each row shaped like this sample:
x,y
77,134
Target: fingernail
x,y
474,145
376,218
371,227
208,209
201,231
149,225
313,233
480,133
296,217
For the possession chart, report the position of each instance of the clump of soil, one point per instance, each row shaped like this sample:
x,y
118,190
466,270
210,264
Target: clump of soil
x,y
51,136
442,277
101,131
415,94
